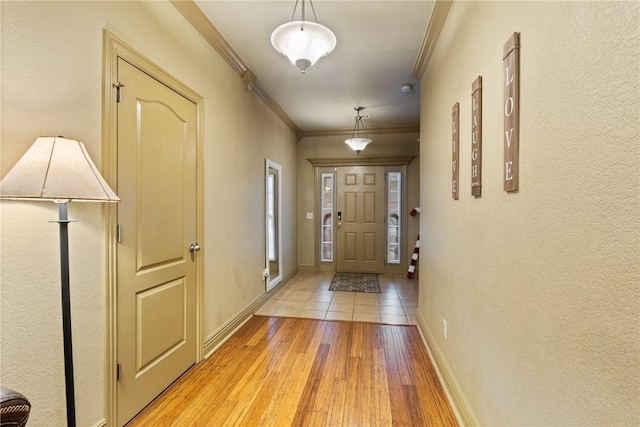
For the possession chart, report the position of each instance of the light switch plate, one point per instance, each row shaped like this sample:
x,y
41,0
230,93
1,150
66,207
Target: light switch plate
x,y
309,215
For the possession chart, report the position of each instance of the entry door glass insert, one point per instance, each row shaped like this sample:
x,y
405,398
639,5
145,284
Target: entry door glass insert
x,y
393,228
326,201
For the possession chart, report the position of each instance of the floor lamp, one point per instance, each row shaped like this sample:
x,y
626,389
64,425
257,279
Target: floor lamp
x,y
59,170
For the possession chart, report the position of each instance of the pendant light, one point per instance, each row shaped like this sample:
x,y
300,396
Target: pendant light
x,y
356,142
303,42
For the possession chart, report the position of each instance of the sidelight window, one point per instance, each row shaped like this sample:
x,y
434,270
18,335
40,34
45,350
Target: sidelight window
x,y
326,202
393,215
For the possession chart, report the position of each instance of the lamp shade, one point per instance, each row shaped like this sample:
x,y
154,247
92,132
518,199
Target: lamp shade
x,y
59,169
358,144
303,42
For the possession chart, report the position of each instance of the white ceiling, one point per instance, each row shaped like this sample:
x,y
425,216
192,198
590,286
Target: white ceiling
x,y
378,45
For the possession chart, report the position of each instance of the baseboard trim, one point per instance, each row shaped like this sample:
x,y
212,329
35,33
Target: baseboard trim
x,y
215,340
290,274
306,269
456,399
101,423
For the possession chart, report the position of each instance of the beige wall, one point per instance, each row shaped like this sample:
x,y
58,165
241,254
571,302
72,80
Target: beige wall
x,y
540,288
383,145
51,85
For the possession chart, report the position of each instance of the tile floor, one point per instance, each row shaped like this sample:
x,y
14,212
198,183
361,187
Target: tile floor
x,y
309,296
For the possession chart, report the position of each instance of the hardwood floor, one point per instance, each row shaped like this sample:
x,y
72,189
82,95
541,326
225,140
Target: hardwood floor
x,y
304,372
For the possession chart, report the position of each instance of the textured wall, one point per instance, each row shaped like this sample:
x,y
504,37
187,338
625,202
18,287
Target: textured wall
x,y
388,145
540,288
51,85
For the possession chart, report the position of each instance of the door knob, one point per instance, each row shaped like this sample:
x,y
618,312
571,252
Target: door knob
x,y
194,247
339,224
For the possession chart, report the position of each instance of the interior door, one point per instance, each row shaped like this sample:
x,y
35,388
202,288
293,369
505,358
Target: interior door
x,y
156,254
360,244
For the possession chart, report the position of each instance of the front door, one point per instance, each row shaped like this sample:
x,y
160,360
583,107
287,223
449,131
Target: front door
x,y
156,271
360,219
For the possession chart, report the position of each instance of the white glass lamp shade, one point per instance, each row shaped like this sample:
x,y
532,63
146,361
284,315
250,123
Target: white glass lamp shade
x,y
58,169
303,42
358,144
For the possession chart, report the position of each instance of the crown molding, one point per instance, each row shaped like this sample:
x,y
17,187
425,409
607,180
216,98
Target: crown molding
x,y
210,33
438,17
373,131
201,23
360,161
253,84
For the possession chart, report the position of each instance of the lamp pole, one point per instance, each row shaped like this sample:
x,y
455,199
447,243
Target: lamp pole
x,y
63,221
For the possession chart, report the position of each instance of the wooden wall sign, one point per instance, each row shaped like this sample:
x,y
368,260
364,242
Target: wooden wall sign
x,y
511,67
476,137
455,147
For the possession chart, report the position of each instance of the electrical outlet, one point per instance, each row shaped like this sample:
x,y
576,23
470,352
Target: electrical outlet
x,y
444,329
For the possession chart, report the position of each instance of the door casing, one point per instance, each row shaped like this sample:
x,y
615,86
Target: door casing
x,y
273,276
114,48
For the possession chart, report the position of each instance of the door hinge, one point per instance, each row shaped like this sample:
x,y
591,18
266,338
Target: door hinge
x,y
119,233
118,87
118,371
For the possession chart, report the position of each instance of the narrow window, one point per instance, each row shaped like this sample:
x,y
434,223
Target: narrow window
x,y
326,201
271,216
393,224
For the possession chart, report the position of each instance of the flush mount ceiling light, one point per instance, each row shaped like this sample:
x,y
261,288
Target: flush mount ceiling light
x,y
406,88
356,142
303,42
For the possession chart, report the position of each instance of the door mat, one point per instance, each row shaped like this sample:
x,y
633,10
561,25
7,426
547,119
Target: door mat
x,y
355,282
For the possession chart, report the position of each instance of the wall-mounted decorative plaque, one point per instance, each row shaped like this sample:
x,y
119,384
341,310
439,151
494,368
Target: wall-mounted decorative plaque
x,y
476,137
511,69
455,147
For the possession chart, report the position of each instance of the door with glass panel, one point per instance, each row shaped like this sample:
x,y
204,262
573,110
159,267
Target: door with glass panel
x,y
361,241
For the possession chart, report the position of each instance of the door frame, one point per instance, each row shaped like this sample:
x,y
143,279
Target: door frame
x,y
272,282
319,163
112,49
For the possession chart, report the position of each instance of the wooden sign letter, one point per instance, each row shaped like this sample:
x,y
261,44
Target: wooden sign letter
x,y
476,137
455,147
511,69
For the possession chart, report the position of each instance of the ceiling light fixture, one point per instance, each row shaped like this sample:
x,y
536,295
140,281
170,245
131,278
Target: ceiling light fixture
x,y
356,142
303,42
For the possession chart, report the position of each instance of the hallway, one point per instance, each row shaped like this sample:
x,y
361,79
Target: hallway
x,y
309,296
